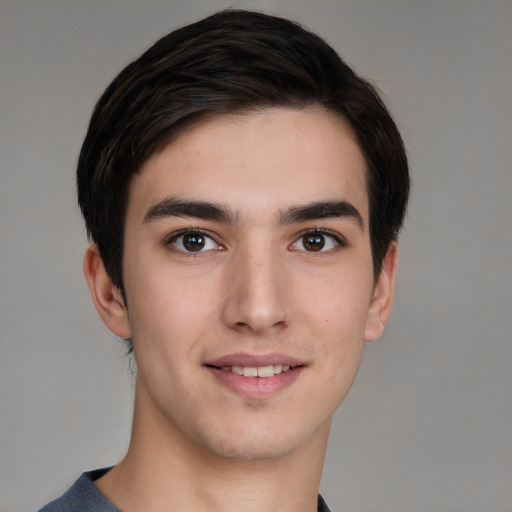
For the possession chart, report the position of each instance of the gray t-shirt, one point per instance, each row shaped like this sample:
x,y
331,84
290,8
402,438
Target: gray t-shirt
x,y
84,496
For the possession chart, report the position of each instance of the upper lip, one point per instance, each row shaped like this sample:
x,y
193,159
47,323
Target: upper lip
x,y
253,360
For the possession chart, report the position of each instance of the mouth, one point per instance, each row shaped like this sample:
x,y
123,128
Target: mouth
x,y
256,376
256,371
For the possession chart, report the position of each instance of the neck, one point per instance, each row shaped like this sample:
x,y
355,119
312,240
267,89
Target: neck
x,y
164,469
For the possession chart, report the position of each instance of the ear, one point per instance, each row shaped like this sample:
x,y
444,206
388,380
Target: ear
x,y
107,299
383,295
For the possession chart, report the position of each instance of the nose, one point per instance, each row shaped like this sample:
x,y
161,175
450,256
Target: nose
x,y
256,291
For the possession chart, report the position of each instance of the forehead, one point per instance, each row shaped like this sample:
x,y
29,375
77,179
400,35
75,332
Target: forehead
x,y
257,163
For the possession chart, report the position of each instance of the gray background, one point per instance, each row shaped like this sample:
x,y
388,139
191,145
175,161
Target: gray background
x,y
428,424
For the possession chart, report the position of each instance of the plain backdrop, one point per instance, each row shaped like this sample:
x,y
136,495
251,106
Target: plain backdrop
x,y
427,426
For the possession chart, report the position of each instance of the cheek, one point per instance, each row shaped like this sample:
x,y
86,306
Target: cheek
x,y
342,345
341,303
165,317
167,306
337,317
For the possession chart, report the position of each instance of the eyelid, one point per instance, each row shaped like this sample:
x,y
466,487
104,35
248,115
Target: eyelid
x,y
340,240
168,240
172,237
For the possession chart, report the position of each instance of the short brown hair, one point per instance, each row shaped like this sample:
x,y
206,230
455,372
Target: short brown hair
x,y
232,61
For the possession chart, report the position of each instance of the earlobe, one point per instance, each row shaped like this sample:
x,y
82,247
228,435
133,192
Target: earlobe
x,y
383,295
107,298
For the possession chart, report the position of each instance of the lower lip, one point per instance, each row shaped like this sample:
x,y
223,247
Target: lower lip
x,y
256,387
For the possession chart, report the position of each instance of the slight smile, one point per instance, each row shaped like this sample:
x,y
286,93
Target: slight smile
x,y
256,376
261,371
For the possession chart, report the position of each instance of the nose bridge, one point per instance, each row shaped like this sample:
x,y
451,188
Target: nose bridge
x,y
256,296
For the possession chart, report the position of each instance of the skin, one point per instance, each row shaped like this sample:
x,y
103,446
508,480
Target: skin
x,y
256,287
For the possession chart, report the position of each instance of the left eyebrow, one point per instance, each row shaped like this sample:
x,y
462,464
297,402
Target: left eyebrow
x,y
321,210
174,207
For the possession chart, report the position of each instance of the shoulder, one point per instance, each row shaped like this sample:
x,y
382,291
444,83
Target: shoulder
x,y
322,506
82,496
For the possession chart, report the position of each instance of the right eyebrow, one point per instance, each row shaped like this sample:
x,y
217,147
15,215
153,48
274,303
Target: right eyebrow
x,y
322,210
173,207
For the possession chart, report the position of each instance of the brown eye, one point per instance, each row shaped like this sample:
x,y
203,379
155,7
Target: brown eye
x,y
193,242
319,241
313,242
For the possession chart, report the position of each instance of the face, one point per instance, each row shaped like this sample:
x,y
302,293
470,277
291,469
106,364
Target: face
x,y
249,281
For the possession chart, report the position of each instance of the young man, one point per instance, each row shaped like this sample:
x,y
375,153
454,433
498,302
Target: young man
x,y
243,190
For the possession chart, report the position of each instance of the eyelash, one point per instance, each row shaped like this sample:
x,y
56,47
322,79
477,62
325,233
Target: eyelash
x,y
340,241
171,240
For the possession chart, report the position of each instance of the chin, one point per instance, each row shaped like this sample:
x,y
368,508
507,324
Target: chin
x,y
265,442
254,449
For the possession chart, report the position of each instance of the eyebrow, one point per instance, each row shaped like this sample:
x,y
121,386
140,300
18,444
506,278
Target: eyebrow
x,y
173,207
321,210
